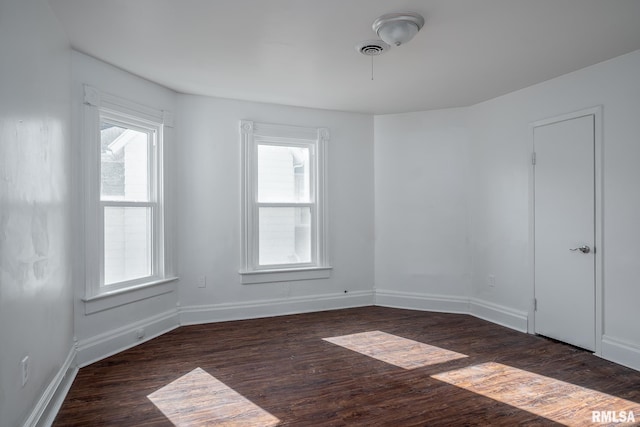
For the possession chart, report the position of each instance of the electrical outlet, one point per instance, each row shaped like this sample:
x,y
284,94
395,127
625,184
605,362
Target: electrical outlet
x,y
24,369
491,281
202,281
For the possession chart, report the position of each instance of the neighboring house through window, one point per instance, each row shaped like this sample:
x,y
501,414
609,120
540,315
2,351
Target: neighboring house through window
x,y
284,202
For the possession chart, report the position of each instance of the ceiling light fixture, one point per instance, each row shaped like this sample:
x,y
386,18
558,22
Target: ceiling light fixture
x,y
398,28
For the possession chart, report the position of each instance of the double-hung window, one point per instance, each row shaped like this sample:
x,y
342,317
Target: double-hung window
x,y
284,203
129,207
125,244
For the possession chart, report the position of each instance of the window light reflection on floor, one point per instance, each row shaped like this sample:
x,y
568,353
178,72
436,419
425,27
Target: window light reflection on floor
x,y
197,399
556,400
395,350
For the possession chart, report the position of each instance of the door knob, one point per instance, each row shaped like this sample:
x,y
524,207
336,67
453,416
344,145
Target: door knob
x,y
584,249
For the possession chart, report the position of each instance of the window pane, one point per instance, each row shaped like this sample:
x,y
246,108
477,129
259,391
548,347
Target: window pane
x,y
127,243
124,165
283,174
284,235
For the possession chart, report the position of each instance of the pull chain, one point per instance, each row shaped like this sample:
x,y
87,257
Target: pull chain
x,y
372,48
372,67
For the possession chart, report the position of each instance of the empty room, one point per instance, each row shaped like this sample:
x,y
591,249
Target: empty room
x,y
300,213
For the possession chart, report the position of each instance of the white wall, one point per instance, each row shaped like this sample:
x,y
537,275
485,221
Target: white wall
x,y
104,332
501,150
208,182
36,310
422,214
431,165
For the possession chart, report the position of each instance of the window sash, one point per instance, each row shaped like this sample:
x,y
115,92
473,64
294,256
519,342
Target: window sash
x,y
313,172
155,263
313,237
153,130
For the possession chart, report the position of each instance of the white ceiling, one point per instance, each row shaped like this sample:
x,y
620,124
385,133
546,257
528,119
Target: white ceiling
x,y
301,52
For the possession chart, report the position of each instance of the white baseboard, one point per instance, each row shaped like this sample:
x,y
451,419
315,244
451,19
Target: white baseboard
x,y
198,314
45,411
111,342
424,302
491,312
621,352
499,314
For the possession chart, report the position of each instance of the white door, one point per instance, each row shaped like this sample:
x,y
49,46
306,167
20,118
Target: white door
x,y
564,229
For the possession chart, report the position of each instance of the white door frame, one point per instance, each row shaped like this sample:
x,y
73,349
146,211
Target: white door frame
x,y
598,140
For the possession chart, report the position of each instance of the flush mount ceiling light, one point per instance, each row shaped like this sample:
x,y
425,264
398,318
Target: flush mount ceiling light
x,y
398,28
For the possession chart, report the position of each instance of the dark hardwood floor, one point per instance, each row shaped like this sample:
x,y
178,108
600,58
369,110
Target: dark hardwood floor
x,y
461,371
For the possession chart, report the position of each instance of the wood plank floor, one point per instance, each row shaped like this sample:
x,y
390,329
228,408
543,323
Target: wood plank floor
x,y
323,369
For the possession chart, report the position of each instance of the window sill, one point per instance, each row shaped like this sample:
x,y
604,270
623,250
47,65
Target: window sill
x,y
116,298
288,275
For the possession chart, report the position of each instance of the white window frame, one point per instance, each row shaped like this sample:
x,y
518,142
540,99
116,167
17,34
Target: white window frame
x,y
99,106
316,139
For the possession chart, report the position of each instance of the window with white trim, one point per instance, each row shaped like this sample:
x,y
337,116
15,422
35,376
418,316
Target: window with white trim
x,y
125,244
284,202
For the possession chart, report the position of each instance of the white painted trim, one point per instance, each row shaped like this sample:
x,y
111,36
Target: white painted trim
x,y
96,98
424,302
45,411
322,201
621,352
597,112
599,225
90,154
124,296
495,313
101,346
279,131
191,315
531,292
499,314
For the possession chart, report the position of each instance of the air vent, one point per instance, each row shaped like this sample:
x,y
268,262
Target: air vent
x,y
372,47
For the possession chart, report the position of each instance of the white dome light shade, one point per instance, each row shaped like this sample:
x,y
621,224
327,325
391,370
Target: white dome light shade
x,y
398,28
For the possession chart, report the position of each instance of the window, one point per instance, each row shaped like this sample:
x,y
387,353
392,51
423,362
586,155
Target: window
x,y
129,205
284,202
125,244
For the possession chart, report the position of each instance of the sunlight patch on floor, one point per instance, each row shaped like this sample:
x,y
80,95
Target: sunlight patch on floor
x,y
398,351
199,399
559,401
